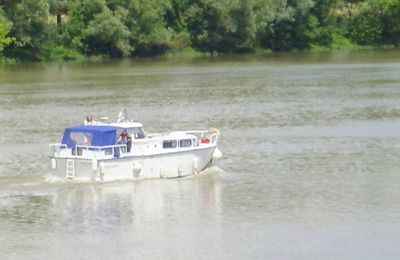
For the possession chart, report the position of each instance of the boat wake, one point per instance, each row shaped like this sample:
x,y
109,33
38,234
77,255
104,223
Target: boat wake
x,y
37,185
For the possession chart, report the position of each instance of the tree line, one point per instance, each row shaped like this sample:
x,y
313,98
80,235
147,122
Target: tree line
x,y
67,29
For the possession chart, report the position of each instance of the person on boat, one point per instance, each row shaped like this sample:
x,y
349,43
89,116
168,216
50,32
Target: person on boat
x,y
87,140
89,120
125,138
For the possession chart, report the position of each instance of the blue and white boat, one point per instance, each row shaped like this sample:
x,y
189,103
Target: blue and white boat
x,y
96,153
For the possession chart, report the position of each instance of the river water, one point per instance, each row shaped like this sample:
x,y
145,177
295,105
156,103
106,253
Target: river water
x,y
311,165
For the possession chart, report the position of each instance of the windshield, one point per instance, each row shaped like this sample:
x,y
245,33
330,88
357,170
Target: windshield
x,y
81,138
137,132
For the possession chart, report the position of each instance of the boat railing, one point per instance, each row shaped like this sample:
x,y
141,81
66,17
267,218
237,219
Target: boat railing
x,y
88,152
214,138
55,149
100,152
206,136
152,135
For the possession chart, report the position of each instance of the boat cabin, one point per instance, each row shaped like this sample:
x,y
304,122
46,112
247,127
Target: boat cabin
x,y
90,136
102,141
135,130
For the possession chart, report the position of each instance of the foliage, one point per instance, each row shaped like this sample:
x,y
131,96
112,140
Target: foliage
x,y
366,27
4,31
222,26
378,22
106,33
147,25
4,39
308,23
54,52
70,29
390,17
29,21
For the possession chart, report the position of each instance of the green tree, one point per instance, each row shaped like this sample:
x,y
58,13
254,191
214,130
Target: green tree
x,y
306,24
95,29
4,38
5,25
297,28
323,10
222,26
147,25
175,15
351,5
268,14
366,27
242,36
58,8
390,17
106,33
29,21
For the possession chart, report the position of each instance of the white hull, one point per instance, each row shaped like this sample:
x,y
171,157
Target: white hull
x,y
164,165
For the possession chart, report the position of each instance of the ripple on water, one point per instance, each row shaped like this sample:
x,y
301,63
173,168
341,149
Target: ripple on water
x,y
310,166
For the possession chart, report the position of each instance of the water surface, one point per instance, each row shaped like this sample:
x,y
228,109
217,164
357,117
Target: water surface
x,y
310,166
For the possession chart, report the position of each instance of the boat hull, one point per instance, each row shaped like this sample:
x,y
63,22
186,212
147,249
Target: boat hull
x,y
169,165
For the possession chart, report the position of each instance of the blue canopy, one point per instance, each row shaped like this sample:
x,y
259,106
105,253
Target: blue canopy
x,y
90,135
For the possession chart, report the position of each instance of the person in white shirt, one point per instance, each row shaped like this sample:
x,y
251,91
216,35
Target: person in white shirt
x,y
125,138
89,120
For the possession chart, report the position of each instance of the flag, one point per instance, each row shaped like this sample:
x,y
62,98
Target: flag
x,y
122,116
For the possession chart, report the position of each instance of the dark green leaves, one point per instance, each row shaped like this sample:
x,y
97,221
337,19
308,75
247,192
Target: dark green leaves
x,y
43,29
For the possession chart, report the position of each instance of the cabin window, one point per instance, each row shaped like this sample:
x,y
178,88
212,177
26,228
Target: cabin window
x,y
137,133
169,144
185,143
81,138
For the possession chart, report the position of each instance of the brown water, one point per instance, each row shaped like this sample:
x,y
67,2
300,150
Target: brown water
x,y
311,165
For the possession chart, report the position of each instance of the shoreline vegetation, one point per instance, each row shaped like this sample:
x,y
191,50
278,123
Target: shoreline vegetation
x,y
63,30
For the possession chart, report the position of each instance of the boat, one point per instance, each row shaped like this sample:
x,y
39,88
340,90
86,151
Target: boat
x,y
95,152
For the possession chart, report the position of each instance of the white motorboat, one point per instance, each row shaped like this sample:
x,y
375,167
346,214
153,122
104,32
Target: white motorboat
x,y
95,152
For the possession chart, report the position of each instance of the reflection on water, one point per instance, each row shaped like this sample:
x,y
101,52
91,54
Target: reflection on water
x,y
120,204
310,166
126,213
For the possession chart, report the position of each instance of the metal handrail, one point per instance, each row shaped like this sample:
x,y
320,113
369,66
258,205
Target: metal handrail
x,y
57,149
103,148
213,136
122,149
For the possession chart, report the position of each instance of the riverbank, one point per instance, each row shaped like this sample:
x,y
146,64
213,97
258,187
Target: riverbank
x,y
61,55
76,30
